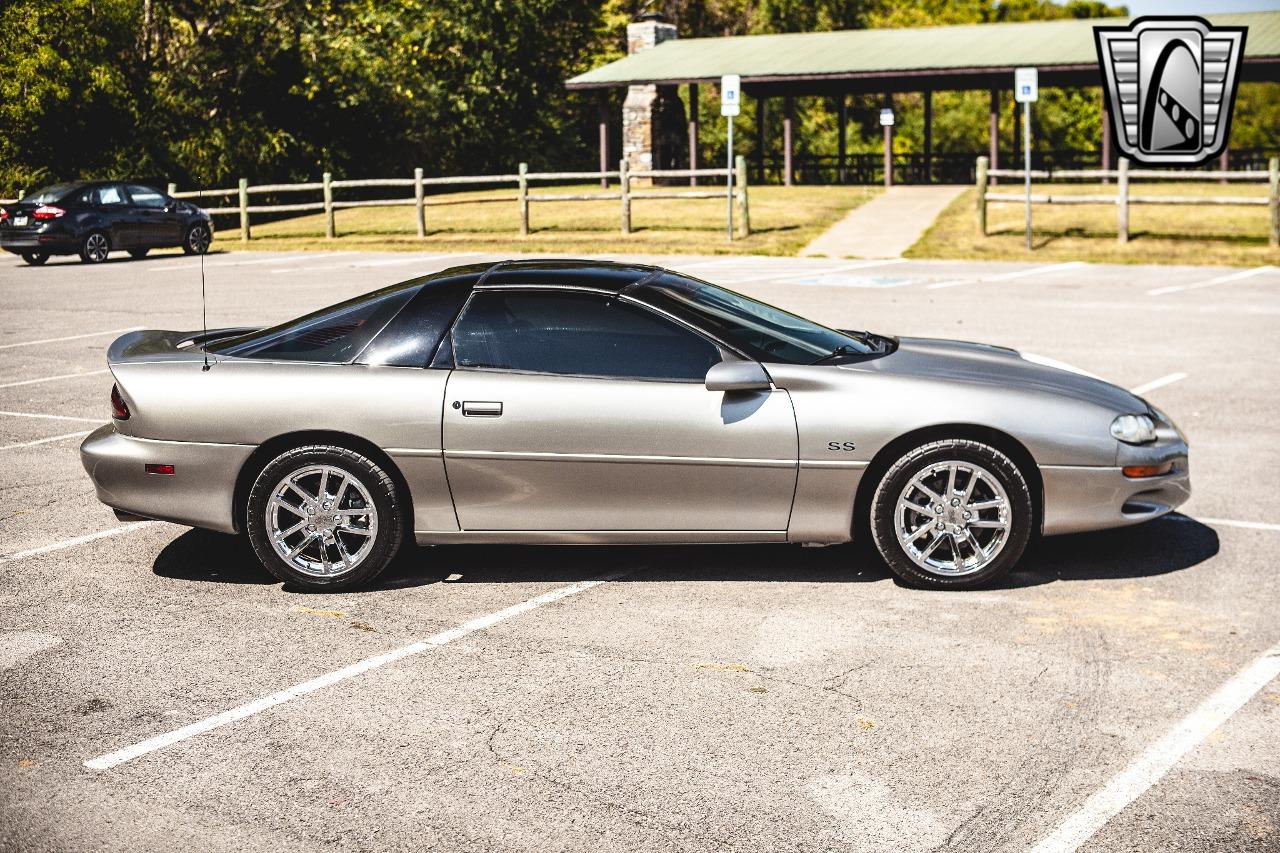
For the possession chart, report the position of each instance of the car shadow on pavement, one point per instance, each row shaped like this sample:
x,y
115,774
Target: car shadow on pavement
x,y
1156,548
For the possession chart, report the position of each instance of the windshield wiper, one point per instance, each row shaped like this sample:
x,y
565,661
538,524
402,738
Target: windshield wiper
x,y
843,349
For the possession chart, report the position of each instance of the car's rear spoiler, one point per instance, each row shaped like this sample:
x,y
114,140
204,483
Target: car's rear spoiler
x,y
161,345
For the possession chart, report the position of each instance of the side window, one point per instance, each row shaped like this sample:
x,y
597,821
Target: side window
x,y
582,334
146,196
109,195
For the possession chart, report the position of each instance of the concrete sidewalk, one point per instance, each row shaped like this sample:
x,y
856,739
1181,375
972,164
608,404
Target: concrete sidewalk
x,y
886,226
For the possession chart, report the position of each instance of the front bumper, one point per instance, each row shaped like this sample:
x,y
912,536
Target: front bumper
x,y
1079,498
200,492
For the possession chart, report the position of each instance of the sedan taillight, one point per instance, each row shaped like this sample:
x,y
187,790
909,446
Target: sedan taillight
x,y
48,211
119,410
4,214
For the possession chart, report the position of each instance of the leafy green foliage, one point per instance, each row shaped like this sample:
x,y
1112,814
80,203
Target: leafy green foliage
x,y
201,92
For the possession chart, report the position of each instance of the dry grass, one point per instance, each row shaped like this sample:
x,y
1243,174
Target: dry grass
x,y
1159,234
783,220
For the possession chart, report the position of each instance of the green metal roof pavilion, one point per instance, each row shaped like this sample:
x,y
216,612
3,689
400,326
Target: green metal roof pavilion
x,y
971,56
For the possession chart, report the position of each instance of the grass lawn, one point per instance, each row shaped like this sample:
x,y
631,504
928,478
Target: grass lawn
x,y
783,220
1164,234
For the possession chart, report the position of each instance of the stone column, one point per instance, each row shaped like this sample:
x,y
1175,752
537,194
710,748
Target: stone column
x,y
649,110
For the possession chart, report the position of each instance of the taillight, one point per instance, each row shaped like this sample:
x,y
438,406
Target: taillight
x,y
4,214
119,410
48,211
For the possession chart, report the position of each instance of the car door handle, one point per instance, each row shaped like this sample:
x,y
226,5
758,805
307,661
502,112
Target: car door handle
x,y
481,409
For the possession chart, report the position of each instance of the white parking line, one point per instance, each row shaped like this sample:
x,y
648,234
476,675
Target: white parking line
x,y
51,417
1158,383
358,265
273,259
1213,282
71,543
70,337
1007,276
48,440
113,759
1155,761
818,273
1231,522
53,378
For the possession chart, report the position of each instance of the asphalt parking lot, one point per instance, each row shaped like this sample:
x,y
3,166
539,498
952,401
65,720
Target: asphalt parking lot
x,y
1117,692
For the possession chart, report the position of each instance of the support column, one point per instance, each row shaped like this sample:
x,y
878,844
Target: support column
x,y
1224,162
928,136
842,139
650,132
693,132
888,145
1106,135
604,140
760,110
789,108
993,132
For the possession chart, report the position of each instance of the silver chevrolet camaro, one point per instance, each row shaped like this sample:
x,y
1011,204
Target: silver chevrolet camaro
x,y
587,402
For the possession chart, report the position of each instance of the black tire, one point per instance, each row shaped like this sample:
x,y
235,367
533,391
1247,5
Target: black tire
x,y
138,254
35,259
94,247
1018,514
374,481
196,239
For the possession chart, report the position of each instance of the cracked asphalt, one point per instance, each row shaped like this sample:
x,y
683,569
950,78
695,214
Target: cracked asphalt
x,y
756,698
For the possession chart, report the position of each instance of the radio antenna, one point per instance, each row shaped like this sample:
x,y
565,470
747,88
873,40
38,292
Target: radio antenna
x,y
204,317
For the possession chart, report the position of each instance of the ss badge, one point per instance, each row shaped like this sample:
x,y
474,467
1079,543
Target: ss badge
x,y
843,446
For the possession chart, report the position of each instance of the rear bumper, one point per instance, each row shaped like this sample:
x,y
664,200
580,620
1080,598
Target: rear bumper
x,y
200,492
1078,498
53,244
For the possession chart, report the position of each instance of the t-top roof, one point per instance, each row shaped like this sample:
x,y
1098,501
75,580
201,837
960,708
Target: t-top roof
x,y
967,49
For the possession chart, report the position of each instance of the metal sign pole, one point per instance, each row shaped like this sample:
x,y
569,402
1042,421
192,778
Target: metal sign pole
x,y
1026,161
729,182
1026,89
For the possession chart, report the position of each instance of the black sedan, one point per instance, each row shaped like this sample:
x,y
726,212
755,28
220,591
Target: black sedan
x,y
93,218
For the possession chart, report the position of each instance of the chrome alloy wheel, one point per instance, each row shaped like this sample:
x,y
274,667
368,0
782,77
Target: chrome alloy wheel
x,y
96,247
198,240
952,518
321,520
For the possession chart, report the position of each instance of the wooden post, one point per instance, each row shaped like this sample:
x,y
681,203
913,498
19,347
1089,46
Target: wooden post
x,y
330,227
1273,183
760,110
244,209
993,132
1224,163
980,187
788,109
1106,137
693,132
842,141
1122,201
604,140
173,188
740,195
419,205
928,136
524,200
624,178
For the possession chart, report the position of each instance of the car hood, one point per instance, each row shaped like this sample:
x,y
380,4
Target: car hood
x,y
961,361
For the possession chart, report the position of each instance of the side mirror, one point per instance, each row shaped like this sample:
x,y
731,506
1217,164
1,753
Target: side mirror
x,y
737,376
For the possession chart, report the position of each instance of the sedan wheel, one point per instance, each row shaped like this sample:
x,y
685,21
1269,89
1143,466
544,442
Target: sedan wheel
x,y
324,518
197,240
952,514
35,258
94,248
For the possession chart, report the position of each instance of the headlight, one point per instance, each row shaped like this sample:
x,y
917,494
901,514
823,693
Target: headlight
x,y
1134,429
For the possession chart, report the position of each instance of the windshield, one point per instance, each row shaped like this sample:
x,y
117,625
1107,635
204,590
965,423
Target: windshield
x,y
50,194
758,330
